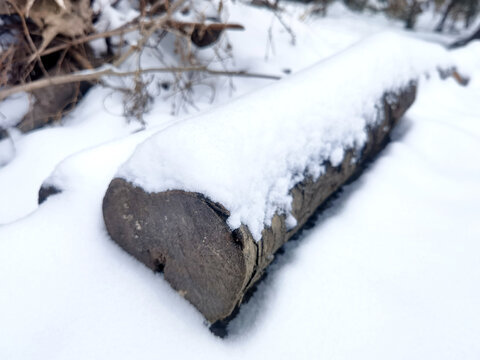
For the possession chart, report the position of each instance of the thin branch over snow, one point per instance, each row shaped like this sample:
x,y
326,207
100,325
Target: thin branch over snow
x,y
110,71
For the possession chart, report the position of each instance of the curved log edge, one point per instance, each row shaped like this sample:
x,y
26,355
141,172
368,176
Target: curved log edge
x,y
185,235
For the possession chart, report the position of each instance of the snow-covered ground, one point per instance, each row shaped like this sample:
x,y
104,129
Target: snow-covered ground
x,y
390,271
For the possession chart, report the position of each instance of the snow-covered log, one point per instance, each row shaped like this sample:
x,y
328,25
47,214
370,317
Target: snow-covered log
x,y
186,235
209,201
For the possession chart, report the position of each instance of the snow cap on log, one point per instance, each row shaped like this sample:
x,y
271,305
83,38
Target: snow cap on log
x,y
210,200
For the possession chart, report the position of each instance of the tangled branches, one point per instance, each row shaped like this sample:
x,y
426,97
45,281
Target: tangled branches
x,y
41,47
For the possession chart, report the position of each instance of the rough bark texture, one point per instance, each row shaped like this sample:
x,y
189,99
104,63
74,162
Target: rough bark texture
x,y
186,236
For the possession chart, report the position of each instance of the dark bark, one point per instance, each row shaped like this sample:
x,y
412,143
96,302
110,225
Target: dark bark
x,y
447,11
3,134
46,191
465,41
186,236
50,104
357,5
411,16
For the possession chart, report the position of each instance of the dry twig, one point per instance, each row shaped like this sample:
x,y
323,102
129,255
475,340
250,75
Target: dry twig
x,y
94,76
157,24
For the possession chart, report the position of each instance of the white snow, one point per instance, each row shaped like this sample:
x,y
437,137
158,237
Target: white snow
x,y
7,150
37,154
391,271
13,109
248,154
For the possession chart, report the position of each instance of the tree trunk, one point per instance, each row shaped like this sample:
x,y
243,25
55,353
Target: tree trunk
x,y
186,236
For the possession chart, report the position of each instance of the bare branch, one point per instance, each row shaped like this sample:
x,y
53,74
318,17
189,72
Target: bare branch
x,y
156,25
94,76
131,26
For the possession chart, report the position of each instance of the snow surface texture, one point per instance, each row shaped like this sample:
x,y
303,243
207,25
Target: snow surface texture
x,y
249,154
390,272
12,110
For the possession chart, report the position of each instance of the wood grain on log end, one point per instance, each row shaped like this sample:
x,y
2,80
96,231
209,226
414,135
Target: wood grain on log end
x,y
186,235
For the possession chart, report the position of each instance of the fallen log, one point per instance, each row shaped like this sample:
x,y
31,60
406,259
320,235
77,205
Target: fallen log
x,y
208,206
185,235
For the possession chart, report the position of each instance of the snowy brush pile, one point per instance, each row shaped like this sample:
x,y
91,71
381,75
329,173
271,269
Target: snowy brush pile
x,y
248,154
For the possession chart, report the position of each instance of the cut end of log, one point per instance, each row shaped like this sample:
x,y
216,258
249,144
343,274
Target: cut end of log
x,y
186,237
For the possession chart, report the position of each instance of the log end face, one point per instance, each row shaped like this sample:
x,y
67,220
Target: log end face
x,y
180,234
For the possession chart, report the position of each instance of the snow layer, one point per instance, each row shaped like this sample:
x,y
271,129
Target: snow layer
x,y
13,109
391,271
38,152
248,154
99,118
7,150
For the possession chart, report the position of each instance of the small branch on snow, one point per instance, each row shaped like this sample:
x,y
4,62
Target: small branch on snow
x,y
293,37
276,10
